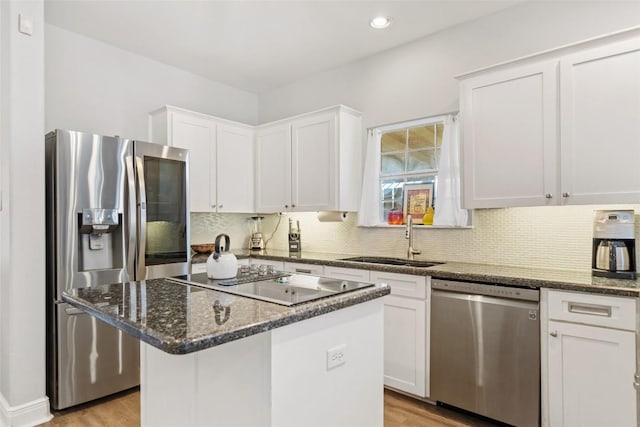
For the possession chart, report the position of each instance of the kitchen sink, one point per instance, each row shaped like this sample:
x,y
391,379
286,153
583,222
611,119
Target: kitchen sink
x,y
392,261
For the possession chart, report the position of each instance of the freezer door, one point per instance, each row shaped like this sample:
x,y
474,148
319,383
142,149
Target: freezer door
x,y
93,359
87,224
163,214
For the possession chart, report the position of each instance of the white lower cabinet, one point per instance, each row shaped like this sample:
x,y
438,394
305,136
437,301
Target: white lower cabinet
x,y
298,267
353,274
591,367
405,332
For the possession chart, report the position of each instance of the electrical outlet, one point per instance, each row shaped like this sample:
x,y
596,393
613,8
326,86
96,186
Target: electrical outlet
x,y
336,356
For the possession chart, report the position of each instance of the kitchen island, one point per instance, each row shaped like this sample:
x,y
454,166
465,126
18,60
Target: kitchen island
x,y
211,358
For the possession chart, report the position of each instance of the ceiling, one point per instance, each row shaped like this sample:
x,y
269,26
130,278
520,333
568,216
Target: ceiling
x,y
260,45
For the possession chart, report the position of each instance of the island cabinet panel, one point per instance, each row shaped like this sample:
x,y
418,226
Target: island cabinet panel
x,y
322,371
308,391
226,385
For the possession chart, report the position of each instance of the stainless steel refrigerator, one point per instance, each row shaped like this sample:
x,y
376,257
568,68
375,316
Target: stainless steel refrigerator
x,y
117,211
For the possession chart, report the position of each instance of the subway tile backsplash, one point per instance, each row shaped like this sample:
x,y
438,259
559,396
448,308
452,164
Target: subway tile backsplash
x,y
541,237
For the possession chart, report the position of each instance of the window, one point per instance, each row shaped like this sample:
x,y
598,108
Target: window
x,y
409,155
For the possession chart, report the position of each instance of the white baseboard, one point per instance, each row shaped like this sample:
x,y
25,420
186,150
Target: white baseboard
x,y
25,415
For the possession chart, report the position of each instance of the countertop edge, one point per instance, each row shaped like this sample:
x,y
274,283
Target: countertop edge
x,y
302,312
437,272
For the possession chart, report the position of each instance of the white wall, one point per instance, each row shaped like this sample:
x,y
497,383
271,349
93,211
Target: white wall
x,y
95,87
22,252
417,79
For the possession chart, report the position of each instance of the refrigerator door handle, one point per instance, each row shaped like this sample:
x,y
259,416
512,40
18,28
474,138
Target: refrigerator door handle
x,y
132,215
142,220
72,311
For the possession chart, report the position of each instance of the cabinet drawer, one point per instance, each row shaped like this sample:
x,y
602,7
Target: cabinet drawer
x,y
402,284
346,273
200,267
591,309
259,261
297,267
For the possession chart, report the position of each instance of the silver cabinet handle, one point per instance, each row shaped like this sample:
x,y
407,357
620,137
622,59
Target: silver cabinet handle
x,y
554,334
303,270
220,206
590,309
293,206
548,195
565,194
286,206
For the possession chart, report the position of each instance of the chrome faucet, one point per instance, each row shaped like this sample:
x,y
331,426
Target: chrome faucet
x,y
408,234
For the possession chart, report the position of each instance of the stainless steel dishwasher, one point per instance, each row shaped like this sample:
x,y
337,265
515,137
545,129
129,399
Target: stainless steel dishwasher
x,y
485,350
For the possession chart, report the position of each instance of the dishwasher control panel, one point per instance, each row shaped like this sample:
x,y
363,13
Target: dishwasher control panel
x,y
486,289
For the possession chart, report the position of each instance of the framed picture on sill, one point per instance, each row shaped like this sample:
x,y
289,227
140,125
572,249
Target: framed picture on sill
x,y
417,198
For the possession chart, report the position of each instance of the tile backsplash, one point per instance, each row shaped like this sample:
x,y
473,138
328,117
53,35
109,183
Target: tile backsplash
x,y
543,237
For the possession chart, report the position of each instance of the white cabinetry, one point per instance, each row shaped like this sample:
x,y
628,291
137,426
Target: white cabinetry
x,y
310,163
295,267
221,167
509,131
600,113
405,332
591,359
520,149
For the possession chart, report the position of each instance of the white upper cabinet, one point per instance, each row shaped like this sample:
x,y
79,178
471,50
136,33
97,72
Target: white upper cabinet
x,y
600,111
310,163
199,137
560,131
273,168
509,120
235,169
221,167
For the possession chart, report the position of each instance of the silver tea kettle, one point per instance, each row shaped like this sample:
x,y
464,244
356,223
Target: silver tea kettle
x,y
222,264
612,255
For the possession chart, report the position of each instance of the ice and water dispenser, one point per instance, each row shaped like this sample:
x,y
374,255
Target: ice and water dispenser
x,y
100,239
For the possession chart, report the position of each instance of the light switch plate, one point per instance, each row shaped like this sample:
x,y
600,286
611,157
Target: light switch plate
x,y
25,24
336,356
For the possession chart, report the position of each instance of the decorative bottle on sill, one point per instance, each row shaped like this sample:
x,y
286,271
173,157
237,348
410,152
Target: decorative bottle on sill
x,y
395,217
427,219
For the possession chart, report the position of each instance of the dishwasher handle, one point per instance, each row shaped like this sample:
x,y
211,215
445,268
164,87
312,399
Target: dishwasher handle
x,y
490,290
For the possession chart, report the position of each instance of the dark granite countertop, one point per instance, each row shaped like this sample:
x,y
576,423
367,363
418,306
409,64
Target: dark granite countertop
x,y
503,275
180,319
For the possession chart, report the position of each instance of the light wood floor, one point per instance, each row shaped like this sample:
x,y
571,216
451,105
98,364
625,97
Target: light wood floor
x,y
123,410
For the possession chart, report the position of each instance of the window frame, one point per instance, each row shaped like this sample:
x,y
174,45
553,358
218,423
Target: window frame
x,y
424,174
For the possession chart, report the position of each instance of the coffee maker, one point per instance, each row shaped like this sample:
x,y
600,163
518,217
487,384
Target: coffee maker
x,y
614,244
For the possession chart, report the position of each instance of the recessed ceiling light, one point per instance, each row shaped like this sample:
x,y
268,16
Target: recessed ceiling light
x,y
380,22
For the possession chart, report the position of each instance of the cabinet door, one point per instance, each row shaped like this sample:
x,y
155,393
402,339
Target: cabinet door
x,y
273,169
404,344
509,137
600,111
591,376
199,137
314,159
235,169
